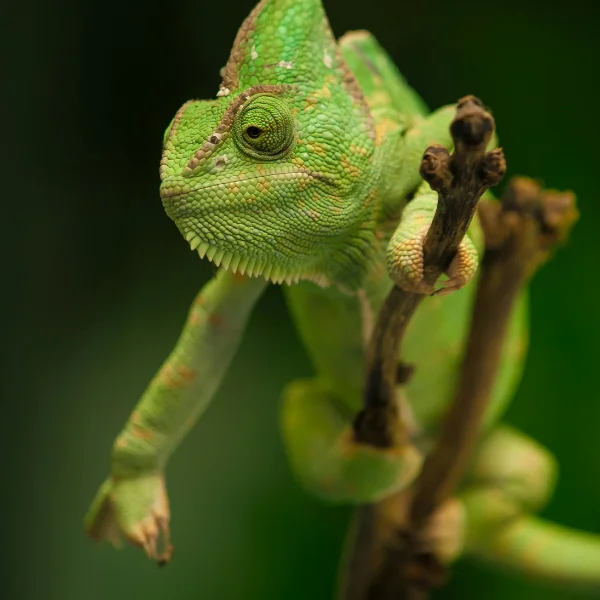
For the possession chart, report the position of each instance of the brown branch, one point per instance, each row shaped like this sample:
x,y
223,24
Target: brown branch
x,y
363,549
520,233
460,179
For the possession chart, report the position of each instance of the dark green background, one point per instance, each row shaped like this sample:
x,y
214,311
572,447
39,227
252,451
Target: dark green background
x,y
97,283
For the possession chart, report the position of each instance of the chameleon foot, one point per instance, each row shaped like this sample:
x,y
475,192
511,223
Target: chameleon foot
x,y
405,265
329,461
137,508
461,269
443,534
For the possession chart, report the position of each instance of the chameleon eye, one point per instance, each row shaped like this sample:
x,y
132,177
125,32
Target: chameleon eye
x,y
253,131
264,128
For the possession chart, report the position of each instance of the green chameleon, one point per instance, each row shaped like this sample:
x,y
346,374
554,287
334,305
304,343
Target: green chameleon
x,y
304,171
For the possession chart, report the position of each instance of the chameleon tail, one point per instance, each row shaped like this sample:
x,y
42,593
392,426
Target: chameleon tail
x,y
546,551
512,477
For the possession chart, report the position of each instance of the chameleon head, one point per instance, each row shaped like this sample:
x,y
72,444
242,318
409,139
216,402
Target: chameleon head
x,y
272,177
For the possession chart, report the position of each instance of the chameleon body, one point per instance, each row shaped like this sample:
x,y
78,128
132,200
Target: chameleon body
x,y
304,171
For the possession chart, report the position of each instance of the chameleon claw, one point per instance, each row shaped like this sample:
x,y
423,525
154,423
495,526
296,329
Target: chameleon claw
x,y
443,535
164,557
136,508
461,269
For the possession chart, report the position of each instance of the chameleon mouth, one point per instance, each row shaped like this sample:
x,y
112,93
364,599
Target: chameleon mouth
x,y
248,265
173,188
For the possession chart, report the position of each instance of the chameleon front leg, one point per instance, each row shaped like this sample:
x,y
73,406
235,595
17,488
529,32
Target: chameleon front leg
x,y
513,477
319,436
405,253
133,500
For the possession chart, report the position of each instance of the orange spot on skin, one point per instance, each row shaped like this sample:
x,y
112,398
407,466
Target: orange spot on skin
x,y
215,319
351,169
165,376
297,161
358,150
263,185
141,433
121,442
378,97
327,485
317,148
310,103
187,374
370,198
179,378
325,91
303,184
382,128
239,278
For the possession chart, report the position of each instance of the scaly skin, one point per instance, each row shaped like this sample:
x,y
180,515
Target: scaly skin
x,y
299,172
133,500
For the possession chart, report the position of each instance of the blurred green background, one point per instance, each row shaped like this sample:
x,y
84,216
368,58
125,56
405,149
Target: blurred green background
x,y
97,283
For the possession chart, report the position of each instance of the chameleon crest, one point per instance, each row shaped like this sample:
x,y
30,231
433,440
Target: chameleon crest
x,y
282,160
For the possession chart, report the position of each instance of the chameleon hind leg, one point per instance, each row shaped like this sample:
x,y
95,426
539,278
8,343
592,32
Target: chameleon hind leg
x,y
513,477
318,434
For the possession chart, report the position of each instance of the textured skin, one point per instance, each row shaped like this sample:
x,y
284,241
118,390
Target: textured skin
x,y
325,166
133,500
299,172
405,251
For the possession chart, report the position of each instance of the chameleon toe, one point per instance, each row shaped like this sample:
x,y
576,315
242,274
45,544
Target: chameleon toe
x,y
461,270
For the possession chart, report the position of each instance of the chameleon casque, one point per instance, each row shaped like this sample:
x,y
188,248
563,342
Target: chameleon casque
x,y
305,171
